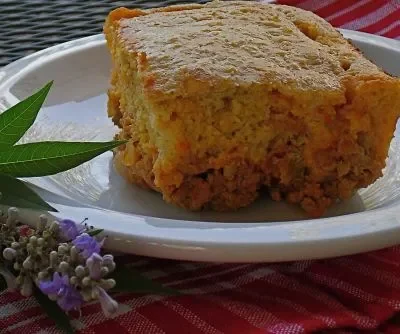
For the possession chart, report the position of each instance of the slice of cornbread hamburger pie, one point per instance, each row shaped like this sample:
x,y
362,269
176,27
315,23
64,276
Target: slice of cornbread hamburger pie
x,y
219,101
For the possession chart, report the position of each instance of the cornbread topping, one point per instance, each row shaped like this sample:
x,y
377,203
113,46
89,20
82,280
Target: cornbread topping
x,y
221,100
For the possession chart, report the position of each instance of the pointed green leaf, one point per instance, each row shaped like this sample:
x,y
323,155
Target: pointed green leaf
x,y
94,232
15,121
54,312
47,158
14,192
129,280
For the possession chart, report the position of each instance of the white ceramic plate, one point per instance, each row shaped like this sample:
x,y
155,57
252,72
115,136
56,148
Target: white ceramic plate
x,y
138,221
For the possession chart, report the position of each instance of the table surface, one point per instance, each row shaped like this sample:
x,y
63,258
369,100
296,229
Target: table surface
x,y
27,26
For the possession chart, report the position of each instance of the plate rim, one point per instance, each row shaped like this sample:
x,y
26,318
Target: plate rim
x,y
296,238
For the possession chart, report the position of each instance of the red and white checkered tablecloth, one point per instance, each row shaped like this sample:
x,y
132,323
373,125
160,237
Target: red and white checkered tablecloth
x,y
354,294
380,17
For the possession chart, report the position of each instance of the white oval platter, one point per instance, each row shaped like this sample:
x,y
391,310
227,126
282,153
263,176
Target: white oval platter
x,y
138,221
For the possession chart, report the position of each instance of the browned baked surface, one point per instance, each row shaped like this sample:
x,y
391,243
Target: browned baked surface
x,y
221,100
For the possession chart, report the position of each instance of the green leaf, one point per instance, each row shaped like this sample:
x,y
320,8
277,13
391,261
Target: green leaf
x,y
47,158
129,280
16,193
53,311
3,283
15,121
94,232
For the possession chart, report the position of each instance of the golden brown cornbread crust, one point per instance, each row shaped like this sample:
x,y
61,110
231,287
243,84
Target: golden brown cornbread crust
x,y
221,100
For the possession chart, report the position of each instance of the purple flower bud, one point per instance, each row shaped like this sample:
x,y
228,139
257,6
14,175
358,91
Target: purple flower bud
x,y
9,253
12,217
69,229
27,287
87,245
94,263
108,305
68,297
108,259
108,262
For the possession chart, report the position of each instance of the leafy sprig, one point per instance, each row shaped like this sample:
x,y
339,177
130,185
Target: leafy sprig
x,y
63,260
19,251
39,158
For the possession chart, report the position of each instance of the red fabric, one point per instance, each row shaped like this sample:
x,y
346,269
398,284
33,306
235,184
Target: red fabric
x,y
354,294
381,17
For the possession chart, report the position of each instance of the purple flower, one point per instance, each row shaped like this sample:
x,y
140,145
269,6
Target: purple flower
x,y
69,229
71,299
68,297
87,244
53,287
108,305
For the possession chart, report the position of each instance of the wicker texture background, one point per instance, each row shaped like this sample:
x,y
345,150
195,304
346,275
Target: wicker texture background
x,y
27,26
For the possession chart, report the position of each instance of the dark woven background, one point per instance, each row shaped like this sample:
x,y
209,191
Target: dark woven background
x,y
27,26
